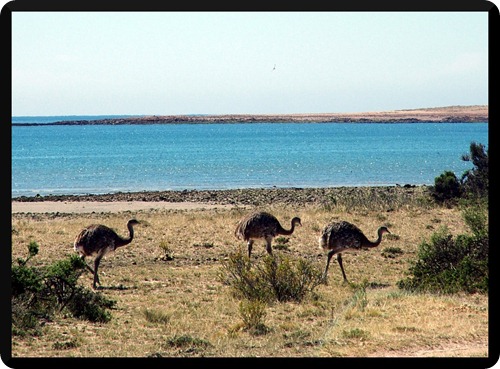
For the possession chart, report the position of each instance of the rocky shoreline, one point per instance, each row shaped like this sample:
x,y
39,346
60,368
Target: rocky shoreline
x,y
253,197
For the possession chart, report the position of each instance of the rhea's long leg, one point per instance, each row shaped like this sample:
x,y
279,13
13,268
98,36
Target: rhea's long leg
x,y
328,258
88,266
269,249
250,243
339,259
96,267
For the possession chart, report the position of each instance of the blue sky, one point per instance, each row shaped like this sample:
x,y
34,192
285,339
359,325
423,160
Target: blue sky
x,y
91,63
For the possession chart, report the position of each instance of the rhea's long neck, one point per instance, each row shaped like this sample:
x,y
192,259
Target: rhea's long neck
x,y
375,243
287,232
127,240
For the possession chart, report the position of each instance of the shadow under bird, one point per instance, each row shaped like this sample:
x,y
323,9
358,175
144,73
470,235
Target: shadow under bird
x,y
262,225
98,240
343,236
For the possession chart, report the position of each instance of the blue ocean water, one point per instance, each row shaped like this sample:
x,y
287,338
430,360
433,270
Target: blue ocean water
x,y
95,159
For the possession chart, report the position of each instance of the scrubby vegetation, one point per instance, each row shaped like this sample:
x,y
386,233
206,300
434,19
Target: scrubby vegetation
x,y
275,277
259,283
474,182
446,187
38,293
252,313
448,264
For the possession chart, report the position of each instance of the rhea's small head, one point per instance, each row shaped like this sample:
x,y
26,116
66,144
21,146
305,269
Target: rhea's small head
x,y
133,222
296,221
383,230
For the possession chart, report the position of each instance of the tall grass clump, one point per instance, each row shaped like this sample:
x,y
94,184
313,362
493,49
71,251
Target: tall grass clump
x,y
450,264
38,293
252,313
378,199
275,277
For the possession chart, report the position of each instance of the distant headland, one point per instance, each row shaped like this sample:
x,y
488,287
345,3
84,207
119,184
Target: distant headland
x,y
448,114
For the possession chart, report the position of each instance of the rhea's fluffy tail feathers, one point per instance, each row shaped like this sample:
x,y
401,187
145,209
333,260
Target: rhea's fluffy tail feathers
x,y
323,241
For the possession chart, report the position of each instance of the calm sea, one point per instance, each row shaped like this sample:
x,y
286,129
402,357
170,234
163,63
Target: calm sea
x,y
105,159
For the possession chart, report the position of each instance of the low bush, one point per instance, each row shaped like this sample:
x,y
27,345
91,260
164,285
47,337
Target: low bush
x,y
475,181
450,264
473,184
446,187
274,277
38,293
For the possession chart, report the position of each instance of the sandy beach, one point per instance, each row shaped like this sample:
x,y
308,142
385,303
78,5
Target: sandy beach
x,y
79,207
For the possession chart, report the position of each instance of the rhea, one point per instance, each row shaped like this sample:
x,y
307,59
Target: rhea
x,y
343,236
98,240
262,225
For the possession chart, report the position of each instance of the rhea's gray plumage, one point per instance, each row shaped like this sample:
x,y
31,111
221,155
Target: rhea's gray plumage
x,y
343,236
262,225
98,240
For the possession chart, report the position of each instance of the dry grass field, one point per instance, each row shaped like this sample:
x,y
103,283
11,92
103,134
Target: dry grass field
x,y
171,303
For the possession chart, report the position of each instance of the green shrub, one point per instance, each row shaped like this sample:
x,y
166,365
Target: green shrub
x,y
446,187
272,278
450,264
475,181
38,293
88,305
23,277
476,217
472,185
288,280
237,272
